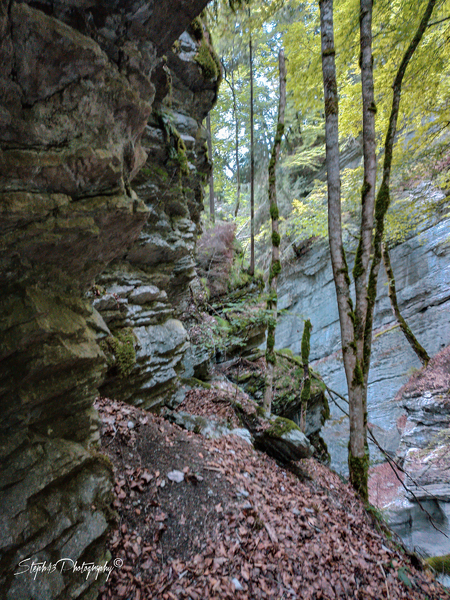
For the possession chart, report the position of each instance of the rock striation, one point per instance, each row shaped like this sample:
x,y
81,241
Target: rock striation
x,y
78,86
422,268
145,290
419,510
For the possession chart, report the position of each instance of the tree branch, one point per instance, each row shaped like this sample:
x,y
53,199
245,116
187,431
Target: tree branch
x,y
382,200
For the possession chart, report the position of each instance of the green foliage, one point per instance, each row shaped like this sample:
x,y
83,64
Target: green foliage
x,y
426,92
392,31
232,328
230,32
177,147
238,278
301,191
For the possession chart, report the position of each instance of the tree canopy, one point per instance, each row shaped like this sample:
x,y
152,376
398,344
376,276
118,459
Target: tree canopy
x,y
422,138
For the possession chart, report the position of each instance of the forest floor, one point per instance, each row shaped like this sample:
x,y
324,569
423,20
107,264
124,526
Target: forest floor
x,y
207,519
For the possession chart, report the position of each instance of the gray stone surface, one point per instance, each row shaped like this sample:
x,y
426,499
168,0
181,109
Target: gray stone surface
x,y
284,441
424,453
422,268
209,428
150,285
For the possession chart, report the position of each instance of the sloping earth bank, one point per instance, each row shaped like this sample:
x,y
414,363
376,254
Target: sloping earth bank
x,y
238,525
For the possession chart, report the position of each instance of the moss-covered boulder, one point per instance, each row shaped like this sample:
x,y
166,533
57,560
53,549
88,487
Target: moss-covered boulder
x,y
283,440
249,373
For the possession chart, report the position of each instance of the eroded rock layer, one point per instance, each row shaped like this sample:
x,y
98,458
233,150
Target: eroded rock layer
x,y
144,292
77,85
417,500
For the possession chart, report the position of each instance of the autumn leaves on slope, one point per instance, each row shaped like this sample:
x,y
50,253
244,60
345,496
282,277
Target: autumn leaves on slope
x,y
237,525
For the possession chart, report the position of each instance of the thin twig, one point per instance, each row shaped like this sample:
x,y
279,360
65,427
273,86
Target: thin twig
x,y
385,581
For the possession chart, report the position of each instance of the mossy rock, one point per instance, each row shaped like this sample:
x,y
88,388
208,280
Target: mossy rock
x,y
281,426
119,351
193,382
284,441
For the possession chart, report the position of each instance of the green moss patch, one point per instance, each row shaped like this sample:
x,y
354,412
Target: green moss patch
x,y
120,352
358,469
441,564
205,58
281,426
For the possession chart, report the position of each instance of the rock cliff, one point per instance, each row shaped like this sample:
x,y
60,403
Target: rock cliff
x,y
419,509
422,268
141,294
84,134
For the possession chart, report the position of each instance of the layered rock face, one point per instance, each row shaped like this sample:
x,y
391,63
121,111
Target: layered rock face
x,y
143,292
419,510
422,268
76,94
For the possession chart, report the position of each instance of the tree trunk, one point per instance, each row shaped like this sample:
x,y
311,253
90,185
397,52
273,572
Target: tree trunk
x,y
236,137
358,456
383,196
275,268
392,292
252,168
238,173
352,319
306,389
356,323
212,216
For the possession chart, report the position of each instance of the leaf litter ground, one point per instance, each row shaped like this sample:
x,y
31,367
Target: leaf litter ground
x,y
208,519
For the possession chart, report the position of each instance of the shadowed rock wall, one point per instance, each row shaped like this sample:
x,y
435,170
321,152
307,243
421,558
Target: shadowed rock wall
x,y
76,93
142,294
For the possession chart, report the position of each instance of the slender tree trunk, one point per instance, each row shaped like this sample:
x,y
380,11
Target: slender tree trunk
x,y
392,292
306,389
352,319
275,267
236,134
212,215
236,137
358,456
252,167
356,323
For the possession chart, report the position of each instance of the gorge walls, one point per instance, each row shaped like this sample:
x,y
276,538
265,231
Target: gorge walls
x,y
422,268
86,162
141,294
